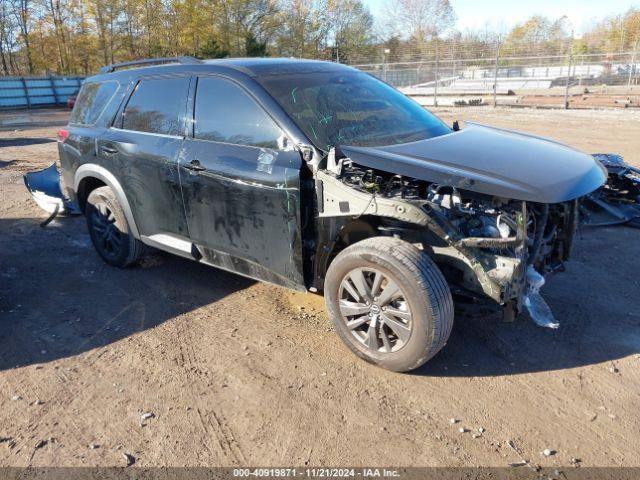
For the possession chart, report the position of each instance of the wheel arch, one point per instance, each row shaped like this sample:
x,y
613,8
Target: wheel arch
x,y
338,233
90,176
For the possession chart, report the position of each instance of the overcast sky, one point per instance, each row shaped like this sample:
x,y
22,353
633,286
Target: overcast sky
x,y
503,14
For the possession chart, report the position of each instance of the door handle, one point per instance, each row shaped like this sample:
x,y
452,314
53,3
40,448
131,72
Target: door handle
x,y
107,150
194,166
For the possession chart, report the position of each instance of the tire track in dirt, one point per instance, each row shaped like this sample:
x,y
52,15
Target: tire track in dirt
x,y
211,420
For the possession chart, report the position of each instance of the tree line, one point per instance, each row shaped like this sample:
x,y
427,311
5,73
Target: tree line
x,y
78,36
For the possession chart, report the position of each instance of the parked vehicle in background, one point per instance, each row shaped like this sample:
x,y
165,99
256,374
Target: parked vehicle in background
x,y
318,177
71,100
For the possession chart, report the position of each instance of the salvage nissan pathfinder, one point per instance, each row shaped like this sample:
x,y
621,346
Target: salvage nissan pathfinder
x,y
318,177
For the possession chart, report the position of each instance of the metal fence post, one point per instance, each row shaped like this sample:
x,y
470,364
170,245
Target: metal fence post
x,y
566,91
435,86
26,91
495,77
53,88
633,62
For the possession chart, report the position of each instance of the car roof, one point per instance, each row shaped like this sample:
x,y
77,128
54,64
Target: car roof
x,y
252,67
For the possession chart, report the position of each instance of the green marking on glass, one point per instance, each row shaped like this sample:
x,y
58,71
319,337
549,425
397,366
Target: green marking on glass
x,y
314,132
293,94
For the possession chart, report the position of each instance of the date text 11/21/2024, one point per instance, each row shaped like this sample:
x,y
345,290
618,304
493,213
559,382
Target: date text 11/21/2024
x,y
316,472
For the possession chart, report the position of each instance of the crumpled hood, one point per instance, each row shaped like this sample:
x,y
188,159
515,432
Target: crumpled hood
x,y
491,161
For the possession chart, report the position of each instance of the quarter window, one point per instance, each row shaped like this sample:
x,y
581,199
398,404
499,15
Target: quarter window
x,y
224,112
91,102
157,106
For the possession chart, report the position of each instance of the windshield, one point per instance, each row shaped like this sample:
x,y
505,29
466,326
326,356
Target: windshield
x,y
351,108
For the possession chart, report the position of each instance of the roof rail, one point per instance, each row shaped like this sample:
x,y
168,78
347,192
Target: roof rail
x,y
151,61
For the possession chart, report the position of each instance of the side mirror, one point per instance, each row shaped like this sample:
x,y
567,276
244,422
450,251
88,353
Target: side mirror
x,y
456,126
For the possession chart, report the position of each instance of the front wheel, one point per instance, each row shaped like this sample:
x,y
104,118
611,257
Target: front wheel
x,y
389,303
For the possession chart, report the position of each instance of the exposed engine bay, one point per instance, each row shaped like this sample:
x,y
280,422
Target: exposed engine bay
x,y
483,244
482,221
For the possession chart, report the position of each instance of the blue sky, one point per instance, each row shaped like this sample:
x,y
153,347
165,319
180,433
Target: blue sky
x,y
503,14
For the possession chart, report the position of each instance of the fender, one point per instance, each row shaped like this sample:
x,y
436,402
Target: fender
x,y
101,173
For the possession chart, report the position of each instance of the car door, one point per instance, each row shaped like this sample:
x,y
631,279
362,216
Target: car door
x,y
87,122
241,186
141,150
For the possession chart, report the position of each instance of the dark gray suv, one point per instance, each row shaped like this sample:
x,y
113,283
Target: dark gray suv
x,y
318,177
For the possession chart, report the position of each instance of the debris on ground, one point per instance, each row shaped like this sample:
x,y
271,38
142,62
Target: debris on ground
x,y
618,200
94,446
130,459
37,446
453,420
523,461
548,452
15,398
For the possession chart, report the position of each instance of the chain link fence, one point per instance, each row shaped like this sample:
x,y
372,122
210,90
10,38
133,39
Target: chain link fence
x,y
569,80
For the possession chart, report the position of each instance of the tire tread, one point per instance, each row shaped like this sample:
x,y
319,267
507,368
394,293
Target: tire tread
x,y
428,278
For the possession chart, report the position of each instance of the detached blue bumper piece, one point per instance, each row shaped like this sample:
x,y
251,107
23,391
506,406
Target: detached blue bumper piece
x,y
44,187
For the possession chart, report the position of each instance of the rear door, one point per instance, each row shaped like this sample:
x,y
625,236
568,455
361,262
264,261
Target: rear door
x,y
87,122
241,185
142,150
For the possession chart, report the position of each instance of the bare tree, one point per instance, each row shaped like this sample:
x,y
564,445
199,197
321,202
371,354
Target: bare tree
x,y
350,26
420,19
57,11
6,32
22,13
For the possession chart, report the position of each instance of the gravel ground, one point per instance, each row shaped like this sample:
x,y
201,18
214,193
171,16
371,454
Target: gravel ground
x,y
235,372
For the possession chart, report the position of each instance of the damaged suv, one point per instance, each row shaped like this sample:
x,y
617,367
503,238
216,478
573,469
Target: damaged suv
x,y
318,177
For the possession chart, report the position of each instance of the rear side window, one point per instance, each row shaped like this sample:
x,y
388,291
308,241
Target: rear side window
x,y
91,102
157,106
224,112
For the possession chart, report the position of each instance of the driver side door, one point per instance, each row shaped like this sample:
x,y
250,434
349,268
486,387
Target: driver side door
x,y
241,186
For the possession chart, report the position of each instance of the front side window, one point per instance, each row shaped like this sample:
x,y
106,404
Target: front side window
x,y
157,106
224,112
351,108
91,102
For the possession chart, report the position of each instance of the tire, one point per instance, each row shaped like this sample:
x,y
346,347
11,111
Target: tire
x,y
410,329
109,229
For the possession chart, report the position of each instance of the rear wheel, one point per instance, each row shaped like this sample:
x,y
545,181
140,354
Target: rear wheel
x,y
109,230
389,303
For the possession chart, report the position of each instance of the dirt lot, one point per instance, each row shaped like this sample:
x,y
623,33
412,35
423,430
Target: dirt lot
x,y
242,373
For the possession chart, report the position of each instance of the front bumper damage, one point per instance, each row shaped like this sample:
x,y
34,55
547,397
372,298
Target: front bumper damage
x,y
510,280
44,187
